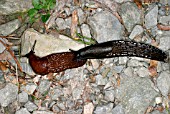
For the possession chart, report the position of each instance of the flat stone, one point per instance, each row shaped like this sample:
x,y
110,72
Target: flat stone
x,y
61,24
85,30
44,86
100,80
22,111
30,106
135,94
165,20
143,72
105,109
164,43
118,109
151,18
129,71
163,83
23,97
55,93
8,94
43,112
103,25
13,6
9,27
47,44
88,108
109,95
137,30
2,47
130,15
30,88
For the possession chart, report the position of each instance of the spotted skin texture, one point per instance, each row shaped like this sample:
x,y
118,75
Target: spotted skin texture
x,y
119,48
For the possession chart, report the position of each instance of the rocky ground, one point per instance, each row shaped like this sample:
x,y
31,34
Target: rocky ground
x,y
120,85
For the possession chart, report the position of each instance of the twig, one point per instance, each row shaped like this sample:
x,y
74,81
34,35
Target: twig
x,y
12,54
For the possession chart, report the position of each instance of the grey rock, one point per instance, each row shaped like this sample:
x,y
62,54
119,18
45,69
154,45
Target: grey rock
x,y
13,6
105,109
77,92
163,83
123,60
151,18
43,112
100,80
118,110
159,67
130,15
81,16
30,88
109,95
9,27
22,111
134,63
61,24
164,43
55,93
118,69
79,111
61,105
129,71
103,25
137,30
135,94
143,72
44,86
88,108
2,47
55,109
23,97
26,67
30,106
8,94
85,30
166,66
42,47
121,1
165,20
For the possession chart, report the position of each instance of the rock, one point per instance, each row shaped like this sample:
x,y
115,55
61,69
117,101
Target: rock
x,y
130,15
42,47
164,43
30,88
81,16
88,108
23,97
134,63
121,1
105,109
165,20
44,86
8,94
151,18
56,93
118,69
123,60
129,71
9,27
79,111
22,111
100,80
103,25
143,72
61,24
109,95
158,100
43,112
77,92
2,47
85,30
137,30
163,83
61,106
135,94
118,109
30,106
13,6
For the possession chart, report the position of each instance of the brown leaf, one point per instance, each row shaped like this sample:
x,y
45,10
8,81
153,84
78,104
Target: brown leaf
x,y
74,23
3,66
153,68
138,3
163,27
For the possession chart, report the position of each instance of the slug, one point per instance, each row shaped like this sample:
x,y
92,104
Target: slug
x,y
119,48
58,62
53,63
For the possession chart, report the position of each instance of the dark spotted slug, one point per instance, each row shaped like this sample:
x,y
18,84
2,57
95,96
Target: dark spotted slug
x,y
58,62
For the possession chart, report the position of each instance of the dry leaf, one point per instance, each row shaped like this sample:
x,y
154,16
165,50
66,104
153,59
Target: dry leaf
x,y
138,3
3,66
163,27
153,68
74,23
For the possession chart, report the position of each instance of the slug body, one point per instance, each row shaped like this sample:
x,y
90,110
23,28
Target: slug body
x,y
53,63
120,48
58,62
